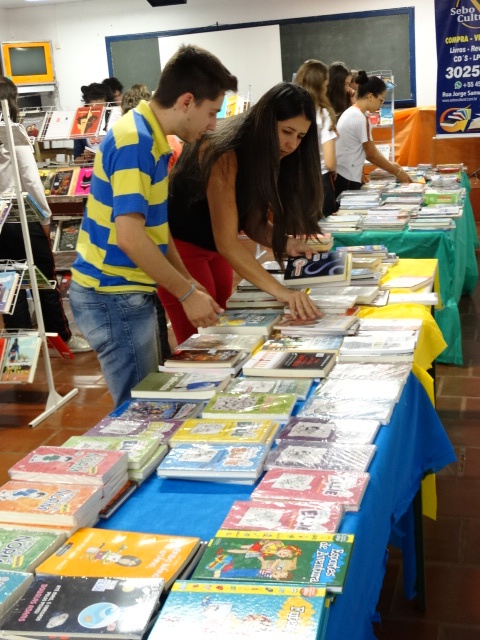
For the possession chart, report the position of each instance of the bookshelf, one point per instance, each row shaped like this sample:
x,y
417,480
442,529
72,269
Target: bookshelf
x,y
54,400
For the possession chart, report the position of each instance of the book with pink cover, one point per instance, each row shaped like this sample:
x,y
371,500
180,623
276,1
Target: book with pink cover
x,y
82,186
308,485
70,465
49,504
310,517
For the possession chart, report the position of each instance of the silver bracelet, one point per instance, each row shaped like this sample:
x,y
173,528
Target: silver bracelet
x,y
189,292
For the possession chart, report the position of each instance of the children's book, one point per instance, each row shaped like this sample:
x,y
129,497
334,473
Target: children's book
x,y
316,559
223,431
249,322
69,465
299,386
290,364
329,430
86,121
348,408
63,182
138,448
13,585
216,611
245,342
67,235
149,466
9,282
81,607
181,385
110,553
219,462
84,179
155,410
26,503
256,406
199,358
24,549
299,454
325,267
21,358
284,516
301,485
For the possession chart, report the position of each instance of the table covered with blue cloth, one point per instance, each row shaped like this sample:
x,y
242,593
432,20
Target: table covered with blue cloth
x,y
457,266
411,445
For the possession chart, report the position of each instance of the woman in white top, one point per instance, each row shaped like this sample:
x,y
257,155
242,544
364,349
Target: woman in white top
x,y
313,76
354,143
11,238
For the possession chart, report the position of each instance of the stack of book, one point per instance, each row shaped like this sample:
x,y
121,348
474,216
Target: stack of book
x,y
105,469
286,364
218,431
221,362
328,430
379,346
13,584
331,325
243,322
299,454
180,386
251,406
300,387
124,427
24,549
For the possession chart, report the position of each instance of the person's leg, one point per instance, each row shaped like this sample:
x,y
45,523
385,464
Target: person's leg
x,y
123,330
162,329
199,263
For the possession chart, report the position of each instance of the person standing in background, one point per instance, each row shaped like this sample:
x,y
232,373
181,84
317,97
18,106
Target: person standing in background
x,y
339,91
313,76
124,248
114,88
84,149
12,245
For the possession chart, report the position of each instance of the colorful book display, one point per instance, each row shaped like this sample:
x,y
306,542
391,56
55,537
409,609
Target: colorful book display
x,y
255,406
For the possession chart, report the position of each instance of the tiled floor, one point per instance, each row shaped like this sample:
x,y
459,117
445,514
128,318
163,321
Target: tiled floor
x,y
452,543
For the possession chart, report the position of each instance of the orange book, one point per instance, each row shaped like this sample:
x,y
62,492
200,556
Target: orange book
x,y
108,553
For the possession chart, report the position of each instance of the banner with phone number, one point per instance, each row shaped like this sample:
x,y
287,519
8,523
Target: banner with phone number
x,y
457,25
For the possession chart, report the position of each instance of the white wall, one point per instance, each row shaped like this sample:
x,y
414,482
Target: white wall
x,y
78,30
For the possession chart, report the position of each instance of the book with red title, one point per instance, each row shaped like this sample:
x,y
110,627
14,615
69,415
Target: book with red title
x,y
290,364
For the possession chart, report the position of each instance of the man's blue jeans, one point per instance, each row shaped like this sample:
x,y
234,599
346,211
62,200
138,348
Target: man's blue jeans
x,y
123,330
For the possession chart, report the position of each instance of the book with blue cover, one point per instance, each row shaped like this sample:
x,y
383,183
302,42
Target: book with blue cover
x,y
13,585
154,410
240,463
215,611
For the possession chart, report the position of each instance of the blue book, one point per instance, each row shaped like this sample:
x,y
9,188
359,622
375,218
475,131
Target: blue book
x,y
13,585
215,611
157,410
241,464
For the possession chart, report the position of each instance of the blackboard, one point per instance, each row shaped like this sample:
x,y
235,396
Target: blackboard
x,y
362,42
370,40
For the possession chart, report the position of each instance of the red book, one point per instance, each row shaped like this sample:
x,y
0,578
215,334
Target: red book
x,y
307,485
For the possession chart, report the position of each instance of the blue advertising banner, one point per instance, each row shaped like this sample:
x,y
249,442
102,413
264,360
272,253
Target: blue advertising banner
x,y
457,25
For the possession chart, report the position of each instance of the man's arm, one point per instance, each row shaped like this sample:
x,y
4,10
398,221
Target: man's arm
x,y
201,309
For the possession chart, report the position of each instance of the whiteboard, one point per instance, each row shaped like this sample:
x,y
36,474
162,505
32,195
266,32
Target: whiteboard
x,y
252,54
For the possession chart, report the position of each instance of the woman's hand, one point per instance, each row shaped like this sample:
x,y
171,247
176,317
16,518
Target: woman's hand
x,y
300,304
297,247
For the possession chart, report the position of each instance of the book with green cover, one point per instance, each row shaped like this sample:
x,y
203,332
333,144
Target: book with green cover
x,y
24,549
139,448
316,559
181,385
256,406
299,386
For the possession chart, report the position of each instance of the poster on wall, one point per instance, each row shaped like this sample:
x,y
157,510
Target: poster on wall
x,y
457,24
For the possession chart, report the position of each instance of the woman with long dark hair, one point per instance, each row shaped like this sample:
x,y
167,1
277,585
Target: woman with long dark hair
x,y
259,172
313,76
339,91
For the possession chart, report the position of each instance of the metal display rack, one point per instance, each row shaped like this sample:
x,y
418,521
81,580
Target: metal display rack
x,y
54,400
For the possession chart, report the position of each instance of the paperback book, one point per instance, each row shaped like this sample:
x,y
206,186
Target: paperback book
x,y
215,611
371,371
218,431
111,426
322,267
154,410
307,517
219,462
328,325
81,607
360,389
109,553
68,465
63,182
9,283
198,358
24,549
346,408
138,448
67,235
148,467
86,121
252,299
290,364
302,485
21,358
13,584
256,406
299,386
181,385
304,343
243,322
327,430
291,454
245,342
25,503
84,179
314,559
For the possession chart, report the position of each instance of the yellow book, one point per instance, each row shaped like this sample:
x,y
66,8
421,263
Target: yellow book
x,y
108,553
220,431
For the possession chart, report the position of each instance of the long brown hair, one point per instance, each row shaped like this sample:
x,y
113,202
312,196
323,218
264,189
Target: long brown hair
x,y
288,189
337,94
8,92
313,76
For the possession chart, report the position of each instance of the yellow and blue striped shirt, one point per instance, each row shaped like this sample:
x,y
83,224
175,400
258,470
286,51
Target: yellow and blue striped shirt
x,y
130,175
